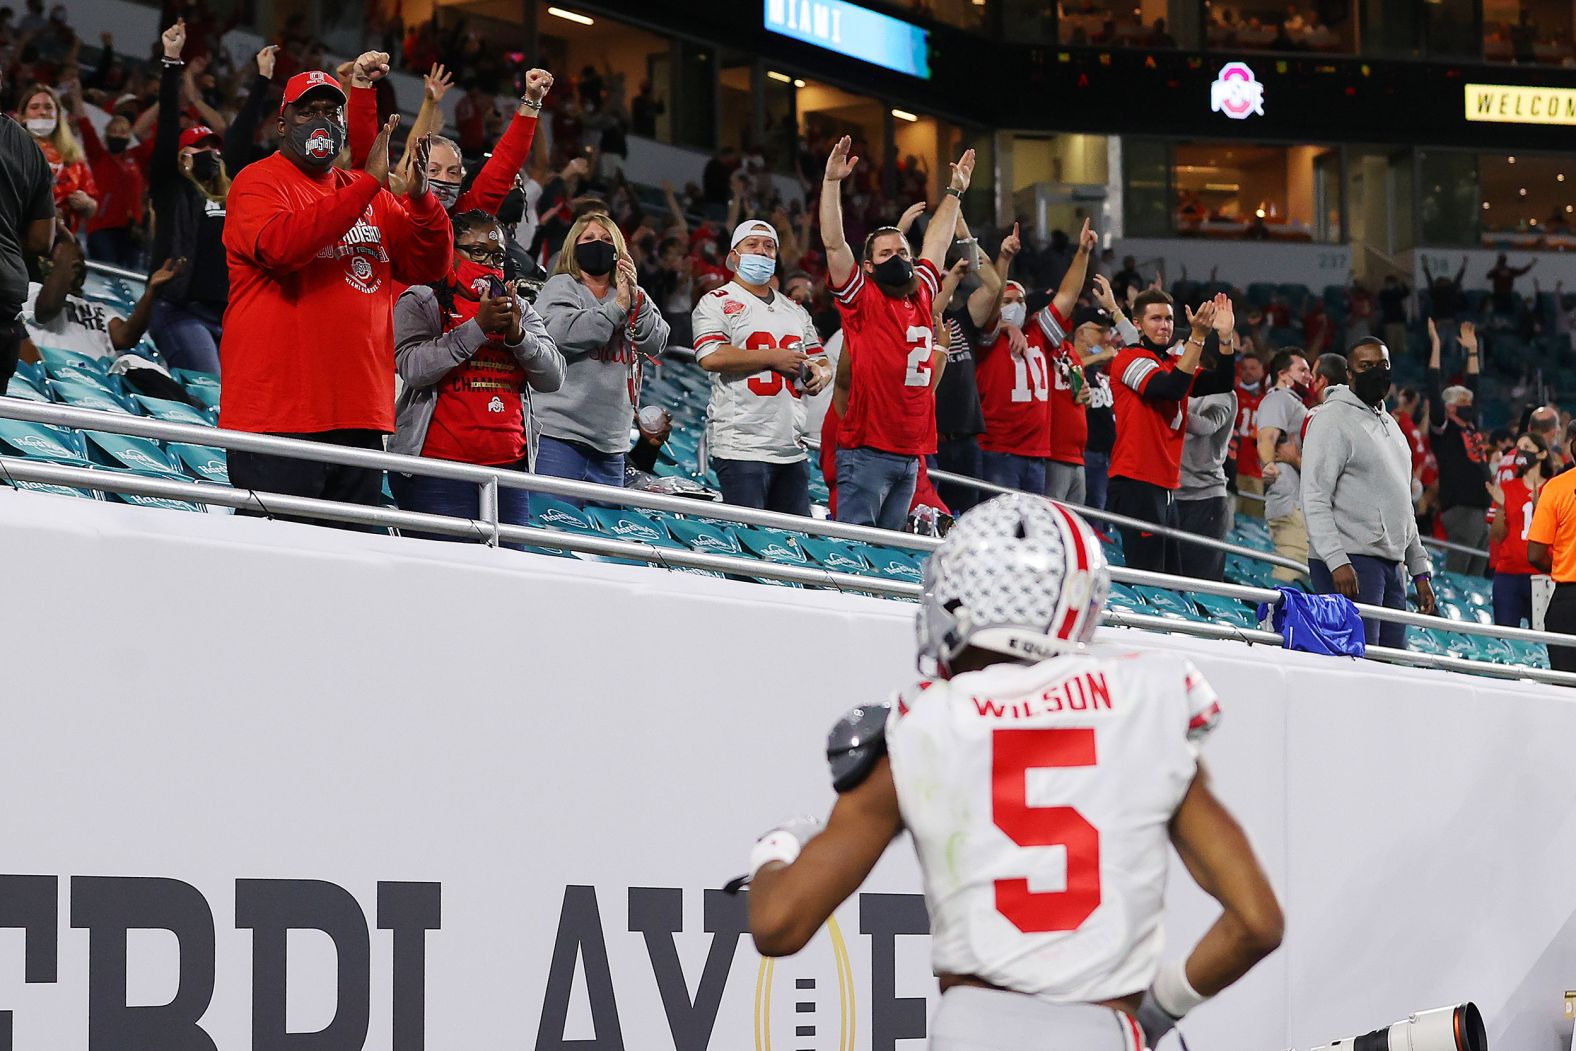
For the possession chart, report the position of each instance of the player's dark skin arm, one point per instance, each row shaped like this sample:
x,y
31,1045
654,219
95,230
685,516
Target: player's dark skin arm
x,y
1541,557
789,903
1221,861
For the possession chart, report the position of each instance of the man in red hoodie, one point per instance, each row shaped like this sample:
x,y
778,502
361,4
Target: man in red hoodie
x,y
314,251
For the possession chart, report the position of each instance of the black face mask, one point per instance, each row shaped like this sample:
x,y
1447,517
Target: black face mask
x,y
205,166
317,142
1466,413
595,257
894,272
1526,461
1371,386
116,143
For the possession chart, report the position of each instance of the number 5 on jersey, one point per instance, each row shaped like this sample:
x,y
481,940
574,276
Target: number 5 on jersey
x,y
1014,753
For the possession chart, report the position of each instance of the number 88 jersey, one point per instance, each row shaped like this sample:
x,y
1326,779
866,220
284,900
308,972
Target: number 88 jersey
x,y
1038,797
758,415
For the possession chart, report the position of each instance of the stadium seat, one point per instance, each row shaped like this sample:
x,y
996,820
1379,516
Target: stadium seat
x,y
82,396
1166,603
129,453
203,462
895,564
58,362
51,489
1219,608
39,441
836,556
22,387
704,537
171,411
773,545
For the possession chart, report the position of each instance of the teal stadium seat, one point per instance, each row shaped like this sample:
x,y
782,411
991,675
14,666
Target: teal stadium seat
x,y
129,453
704,537
39,441
835,556
1165,603
82,396
1225,610
895,564
171,411
23,388
203,462
773,545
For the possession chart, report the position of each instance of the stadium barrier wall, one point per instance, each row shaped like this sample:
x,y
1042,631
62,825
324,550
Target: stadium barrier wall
x,y
286,779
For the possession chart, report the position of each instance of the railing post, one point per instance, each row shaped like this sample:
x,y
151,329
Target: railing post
x,y
489,510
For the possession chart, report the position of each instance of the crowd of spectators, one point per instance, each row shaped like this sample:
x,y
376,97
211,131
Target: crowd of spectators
x,y
495,298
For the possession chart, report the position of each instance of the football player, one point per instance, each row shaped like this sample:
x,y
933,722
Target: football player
x,y
1041,779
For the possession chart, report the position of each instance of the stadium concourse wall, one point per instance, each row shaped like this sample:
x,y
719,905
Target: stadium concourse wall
x,y
287,779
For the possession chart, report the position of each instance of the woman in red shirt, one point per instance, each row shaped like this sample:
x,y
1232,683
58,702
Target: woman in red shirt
x,y
470,351
76,194
1514,502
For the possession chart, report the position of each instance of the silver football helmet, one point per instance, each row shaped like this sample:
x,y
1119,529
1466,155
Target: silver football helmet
x,y
1017,575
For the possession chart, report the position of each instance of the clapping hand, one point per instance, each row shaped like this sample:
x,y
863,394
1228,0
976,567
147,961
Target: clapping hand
x,y
1202,321
1103,294
377,164
963,171
1225,315
416,177
1469,340
910,214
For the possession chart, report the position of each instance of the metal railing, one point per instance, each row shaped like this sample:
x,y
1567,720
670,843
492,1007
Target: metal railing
x,y
491,530
1428,541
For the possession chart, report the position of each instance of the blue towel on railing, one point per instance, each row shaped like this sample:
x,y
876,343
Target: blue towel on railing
x,y
1317,623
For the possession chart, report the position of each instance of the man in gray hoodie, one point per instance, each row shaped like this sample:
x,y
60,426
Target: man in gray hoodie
x,y
1202,504
1357,497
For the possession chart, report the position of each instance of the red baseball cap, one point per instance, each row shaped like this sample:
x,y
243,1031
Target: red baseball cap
x,y
311,80
198,134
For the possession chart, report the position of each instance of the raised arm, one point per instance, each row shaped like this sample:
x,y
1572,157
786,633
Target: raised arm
x,y
1469,343
938,235
675,209
1067,293
125,333
1436,403
840,261
242,131
496,178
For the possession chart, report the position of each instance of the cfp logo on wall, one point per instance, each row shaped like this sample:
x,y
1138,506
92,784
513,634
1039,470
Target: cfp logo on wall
x,y
1237,92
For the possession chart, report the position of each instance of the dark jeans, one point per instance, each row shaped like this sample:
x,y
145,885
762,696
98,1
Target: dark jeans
x,y
116,247
1097,478
875,488
1013,471
187,334
781,487
1209,517
1147,503
286,475
448,496
960,455
1379,583
1512,599
577,461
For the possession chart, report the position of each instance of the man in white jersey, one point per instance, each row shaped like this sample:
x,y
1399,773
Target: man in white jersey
x,y
1041,779
764,354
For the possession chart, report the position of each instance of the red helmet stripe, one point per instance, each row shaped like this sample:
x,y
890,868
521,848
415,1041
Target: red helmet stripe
x,y
1070,622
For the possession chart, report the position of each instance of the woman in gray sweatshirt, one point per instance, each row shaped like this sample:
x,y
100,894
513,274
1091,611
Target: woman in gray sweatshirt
x,y
604,325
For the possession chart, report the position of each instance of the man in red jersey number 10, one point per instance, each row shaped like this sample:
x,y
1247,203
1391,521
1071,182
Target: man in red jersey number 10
x,y
889,368
1041,778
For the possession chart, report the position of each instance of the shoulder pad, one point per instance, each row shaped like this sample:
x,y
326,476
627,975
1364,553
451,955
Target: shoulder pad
x,y
856,744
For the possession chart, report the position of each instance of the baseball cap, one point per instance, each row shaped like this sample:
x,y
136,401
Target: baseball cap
x,y
750,228
311,80
198,134
1092,316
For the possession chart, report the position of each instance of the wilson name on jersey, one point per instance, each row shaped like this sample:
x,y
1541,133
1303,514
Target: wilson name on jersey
x,y
758,415
1039,797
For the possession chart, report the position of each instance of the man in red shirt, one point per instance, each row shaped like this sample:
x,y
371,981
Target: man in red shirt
x,y
888,348
1012,372
1151,384
1244,446
1071,338
314,251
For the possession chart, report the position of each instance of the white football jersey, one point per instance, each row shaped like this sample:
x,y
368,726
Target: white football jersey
x,y
756,416
1038,797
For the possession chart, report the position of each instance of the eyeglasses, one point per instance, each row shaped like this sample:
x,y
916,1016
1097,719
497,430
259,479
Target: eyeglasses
x,y
481,254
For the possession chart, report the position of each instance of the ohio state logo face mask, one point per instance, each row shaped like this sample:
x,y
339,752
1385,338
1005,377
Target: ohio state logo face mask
x,y
318,141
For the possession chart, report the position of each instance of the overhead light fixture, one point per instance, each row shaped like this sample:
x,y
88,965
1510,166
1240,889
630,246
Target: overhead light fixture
x,y
785,78
903,114
798,83
1569,208
1510,160
1560,177
571,16
1485,206
1522,191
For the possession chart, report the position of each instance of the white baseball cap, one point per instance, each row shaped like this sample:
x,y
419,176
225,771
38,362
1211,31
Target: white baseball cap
x,y
750,228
